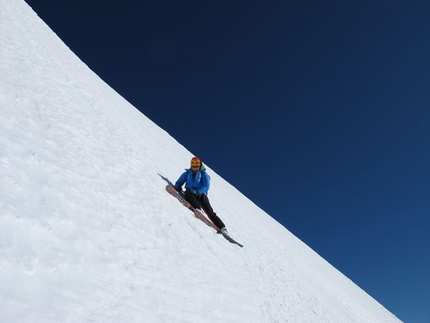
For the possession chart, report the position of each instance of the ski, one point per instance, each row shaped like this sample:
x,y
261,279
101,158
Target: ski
x,y
199,215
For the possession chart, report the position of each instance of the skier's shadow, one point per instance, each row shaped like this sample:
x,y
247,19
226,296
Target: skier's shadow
x,y
166,180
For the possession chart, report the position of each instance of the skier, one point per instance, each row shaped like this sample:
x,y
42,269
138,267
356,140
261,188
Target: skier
x,y
197,183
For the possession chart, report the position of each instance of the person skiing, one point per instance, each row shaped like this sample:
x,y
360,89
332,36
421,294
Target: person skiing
x,y
197,183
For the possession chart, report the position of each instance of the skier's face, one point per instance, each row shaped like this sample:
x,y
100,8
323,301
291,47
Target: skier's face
x,y
194,169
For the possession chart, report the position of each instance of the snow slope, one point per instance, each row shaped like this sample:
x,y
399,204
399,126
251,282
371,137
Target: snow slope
x,y
88,233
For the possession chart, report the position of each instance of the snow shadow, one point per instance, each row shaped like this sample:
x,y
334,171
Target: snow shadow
x,y
166,180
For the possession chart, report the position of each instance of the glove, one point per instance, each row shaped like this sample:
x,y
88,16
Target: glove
x,y
194,192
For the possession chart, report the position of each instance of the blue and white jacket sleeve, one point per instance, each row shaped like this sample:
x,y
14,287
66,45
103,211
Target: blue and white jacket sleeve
x,y
204,188
181,180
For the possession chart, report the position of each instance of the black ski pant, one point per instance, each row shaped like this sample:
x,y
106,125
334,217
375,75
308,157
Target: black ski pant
x,y
202,201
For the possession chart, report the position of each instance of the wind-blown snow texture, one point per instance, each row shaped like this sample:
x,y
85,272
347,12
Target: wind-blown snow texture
x,y
88,233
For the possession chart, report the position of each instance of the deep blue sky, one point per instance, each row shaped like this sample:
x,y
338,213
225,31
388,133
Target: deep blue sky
x,y
318,111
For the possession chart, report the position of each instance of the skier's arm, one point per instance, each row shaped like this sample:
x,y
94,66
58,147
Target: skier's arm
x,y
181,180
205,184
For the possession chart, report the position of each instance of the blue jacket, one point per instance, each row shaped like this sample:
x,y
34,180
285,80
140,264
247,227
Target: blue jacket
x,y
200,182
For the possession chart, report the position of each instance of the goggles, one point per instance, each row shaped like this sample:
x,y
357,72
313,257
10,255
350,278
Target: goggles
x,y
195,163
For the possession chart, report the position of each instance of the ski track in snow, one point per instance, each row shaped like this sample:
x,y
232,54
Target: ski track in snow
x,y
88,233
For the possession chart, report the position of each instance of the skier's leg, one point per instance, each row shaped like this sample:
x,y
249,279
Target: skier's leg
x,y
191,198
204,202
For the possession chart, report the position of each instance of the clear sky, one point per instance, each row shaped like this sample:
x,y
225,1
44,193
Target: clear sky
x,y
318,111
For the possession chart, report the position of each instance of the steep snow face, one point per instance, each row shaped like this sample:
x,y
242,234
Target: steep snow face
x,y
88,233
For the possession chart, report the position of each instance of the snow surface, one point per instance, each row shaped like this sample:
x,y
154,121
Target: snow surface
x,y
88,233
